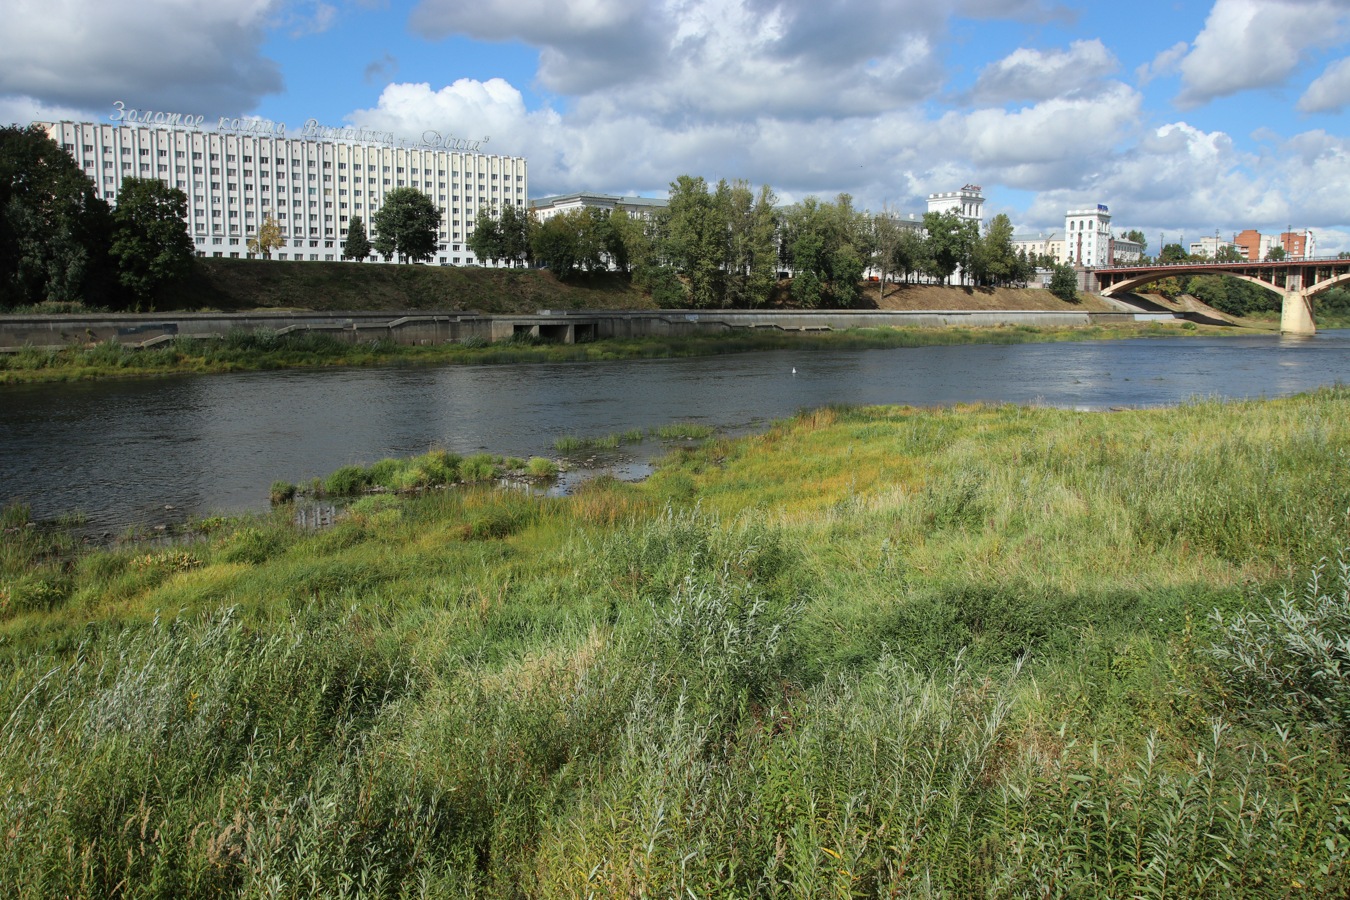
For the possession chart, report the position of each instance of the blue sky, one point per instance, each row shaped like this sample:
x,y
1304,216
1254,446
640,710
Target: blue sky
x,y
1184,117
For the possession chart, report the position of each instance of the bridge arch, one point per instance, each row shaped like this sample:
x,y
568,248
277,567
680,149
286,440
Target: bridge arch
x,y
1130,284
1327,284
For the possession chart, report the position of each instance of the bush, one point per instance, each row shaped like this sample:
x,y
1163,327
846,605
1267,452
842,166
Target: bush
x,y
1064,283
1292,659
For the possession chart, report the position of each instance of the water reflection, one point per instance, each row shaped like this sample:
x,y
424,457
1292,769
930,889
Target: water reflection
x,y
122,451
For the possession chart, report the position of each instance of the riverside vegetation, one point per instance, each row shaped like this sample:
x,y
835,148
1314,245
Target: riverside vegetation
x,y
988,651
256,350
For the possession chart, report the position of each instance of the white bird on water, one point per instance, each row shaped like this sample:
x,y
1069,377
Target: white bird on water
x,y
794,370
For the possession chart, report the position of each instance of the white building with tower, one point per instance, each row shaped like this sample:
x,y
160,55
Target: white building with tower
x,y
237,172
967,203
1087,237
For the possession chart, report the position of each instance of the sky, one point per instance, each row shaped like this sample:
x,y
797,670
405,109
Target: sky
x,y
1185,118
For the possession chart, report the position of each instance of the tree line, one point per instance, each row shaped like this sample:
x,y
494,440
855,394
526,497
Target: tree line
x,y
730,245
61,242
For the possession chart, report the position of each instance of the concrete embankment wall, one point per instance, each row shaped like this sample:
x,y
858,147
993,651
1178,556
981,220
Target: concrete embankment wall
x,y
150,329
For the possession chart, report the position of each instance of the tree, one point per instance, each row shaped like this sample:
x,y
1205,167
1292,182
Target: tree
x,y
1064,283
886,237
943,244
697,242
572,241
910,253
269,237
993,260
751,250
357,245
150,243
1137,236
486,240
1276,254
515,223
54,229
1173,253
406,226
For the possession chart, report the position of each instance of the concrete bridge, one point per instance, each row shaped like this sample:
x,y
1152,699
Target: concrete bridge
x,y
1296,280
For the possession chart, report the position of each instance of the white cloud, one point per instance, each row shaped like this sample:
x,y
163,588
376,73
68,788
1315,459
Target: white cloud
x,y
1250,44
1027,74
1330,92
176,55
1165,63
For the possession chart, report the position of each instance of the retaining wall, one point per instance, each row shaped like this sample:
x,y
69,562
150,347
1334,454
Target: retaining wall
x,y
563,326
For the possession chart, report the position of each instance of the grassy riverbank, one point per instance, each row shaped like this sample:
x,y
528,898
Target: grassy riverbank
x,y
247,351
980,651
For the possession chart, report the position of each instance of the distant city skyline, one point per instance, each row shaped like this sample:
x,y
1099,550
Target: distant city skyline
x,y
1182,117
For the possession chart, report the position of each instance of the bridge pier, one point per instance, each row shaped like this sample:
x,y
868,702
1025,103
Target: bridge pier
x,y
1296,314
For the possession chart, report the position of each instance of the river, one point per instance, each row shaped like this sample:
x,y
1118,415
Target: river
x,y
163,450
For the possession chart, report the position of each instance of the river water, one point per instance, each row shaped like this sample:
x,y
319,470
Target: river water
x,y
163,450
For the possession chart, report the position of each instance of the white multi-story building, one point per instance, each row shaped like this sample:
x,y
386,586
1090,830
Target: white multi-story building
x,y
1087,236
967,203
1040,245
236,175
637,207
1211,247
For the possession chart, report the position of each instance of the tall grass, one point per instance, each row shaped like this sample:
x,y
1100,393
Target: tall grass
x,y
890,652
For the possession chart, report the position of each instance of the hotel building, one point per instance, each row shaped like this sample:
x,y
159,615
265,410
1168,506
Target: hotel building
x,y
236,176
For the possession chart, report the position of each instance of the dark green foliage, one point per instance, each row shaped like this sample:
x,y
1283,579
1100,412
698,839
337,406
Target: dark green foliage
x,y
150,243
502,236
406,226
1232,295
948,243
1064,283
826,247
571,242
696,246
357,245
54,230
664,284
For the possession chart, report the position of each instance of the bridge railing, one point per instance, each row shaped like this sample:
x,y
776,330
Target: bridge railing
x,y
1209,263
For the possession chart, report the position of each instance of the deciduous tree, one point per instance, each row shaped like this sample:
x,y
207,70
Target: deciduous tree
x,y
54,229
406,226
151,243
269,237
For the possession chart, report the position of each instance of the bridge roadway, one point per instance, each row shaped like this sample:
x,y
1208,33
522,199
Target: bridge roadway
x,y
1295,280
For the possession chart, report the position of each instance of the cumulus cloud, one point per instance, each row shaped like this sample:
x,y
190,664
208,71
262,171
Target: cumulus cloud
x,y
1330,92
176,55
1027,74
1249,44
735,56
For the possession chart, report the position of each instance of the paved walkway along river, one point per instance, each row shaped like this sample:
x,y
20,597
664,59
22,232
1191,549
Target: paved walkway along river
x,y
121,452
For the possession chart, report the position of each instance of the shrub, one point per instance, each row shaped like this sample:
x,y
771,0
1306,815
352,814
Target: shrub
x,y
1292,658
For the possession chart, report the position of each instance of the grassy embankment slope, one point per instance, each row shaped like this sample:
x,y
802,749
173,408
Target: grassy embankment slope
x,y
233,284
957,652
249,285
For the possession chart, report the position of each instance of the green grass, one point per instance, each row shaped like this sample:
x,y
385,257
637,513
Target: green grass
x,y
979,651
